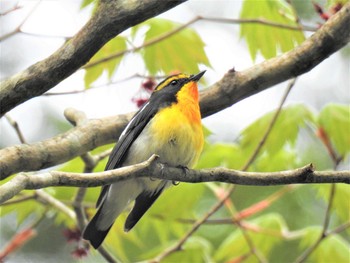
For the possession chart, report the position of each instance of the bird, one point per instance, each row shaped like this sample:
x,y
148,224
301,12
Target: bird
x,y
168,125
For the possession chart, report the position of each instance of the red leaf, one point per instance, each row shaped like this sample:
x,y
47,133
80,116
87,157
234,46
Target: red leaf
x,y
17,241
253,209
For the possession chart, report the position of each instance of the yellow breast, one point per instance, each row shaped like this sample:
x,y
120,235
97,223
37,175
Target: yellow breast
x,y
177,132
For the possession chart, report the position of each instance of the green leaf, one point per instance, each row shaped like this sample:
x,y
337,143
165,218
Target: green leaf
x,y
183,51
178,195
117,44
335,120
23,210
266,39
341,204
282,160
158,226
284,131
226,155
235,244
331,249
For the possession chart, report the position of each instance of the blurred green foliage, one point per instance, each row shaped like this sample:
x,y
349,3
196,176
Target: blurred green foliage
x,y
285,226
116,45
283,229
267,40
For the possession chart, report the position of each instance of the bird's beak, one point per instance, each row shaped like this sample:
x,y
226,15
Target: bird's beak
x,y
198,76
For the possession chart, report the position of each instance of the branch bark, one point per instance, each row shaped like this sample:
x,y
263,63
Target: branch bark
x,y
152,168
233,87
110,19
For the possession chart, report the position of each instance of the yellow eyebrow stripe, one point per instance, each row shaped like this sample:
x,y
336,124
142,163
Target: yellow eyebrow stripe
x,y
170,79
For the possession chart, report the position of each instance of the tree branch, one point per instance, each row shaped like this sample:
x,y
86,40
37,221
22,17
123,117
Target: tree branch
x,y
110,19
233,87
154,169
236,86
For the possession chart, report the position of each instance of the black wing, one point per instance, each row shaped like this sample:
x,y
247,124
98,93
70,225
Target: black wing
x,y
142,203
131,132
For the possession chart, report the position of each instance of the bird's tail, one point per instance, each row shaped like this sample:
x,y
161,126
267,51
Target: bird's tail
x,y
92,231
116,199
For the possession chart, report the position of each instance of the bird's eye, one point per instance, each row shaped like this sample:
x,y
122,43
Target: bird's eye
x,y
174,82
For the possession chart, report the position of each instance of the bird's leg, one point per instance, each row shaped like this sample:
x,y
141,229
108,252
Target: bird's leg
x,y
161,170
184,169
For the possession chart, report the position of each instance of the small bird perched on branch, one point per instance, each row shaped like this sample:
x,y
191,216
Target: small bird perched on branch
x,y
168,125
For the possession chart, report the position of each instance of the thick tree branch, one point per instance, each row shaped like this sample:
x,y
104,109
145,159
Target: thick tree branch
x,y
233,87
154,169
110,19
64,147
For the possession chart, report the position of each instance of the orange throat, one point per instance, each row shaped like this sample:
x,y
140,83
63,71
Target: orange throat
x,y
188,102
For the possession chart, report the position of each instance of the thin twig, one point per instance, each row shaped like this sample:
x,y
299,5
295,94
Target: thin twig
x,y
19,200
338,229
303,257
271,124
53,202
260,21
136,75
15,125
18,28
248,212
78,208
16,7
146,44
192,21
102,155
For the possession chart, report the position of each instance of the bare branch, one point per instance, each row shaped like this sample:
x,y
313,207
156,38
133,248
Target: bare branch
x,y
153,168
15,125
55,203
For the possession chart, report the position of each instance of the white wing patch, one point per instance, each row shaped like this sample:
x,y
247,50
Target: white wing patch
x,y
132,120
